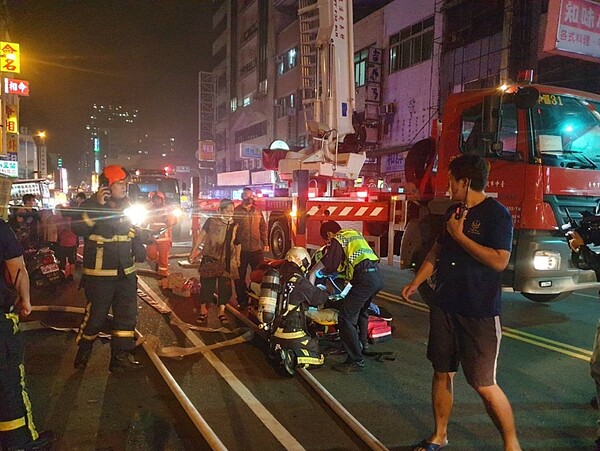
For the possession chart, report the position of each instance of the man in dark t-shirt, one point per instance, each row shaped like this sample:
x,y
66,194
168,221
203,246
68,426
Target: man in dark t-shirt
x,y
465,329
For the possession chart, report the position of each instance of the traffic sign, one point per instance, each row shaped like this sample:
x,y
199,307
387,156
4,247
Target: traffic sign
x,y
182,169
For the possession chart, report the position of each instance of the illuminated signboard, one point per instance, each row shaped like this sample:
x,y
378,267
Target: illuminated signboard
x,y
10,168
206,150
11,115
10,57
14,86
573,29
251,150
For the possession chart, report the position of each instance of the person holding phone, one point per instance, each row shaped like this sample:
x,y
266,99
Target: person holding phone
x,y
108,274
468,259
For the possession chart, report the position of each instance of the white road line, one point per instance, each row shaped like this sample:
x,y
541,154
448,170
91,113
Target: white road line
x,y
276,428
584,295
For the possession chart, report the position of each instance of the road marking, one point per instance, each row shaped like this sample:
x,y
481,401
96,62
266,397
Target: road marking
x,y
276,428
536,340
584,295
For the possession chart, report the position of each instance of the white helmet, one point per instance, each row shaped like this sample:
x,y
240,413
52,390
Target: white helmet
x,y
300,257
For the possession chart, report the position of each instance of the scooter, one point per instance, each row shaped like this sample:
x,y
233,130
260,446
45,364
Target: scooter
x,y
43,269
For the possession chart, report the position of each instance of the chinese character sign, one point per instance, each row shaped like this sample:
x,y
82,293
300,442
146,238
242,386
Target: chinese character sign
x,y
206,150
10,57
574,27
18,87
10,168
11,116
12,143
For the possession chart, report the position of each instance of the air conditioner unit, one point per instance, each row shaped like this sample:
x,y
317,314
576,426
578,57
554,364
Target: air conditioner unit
x,y
279,58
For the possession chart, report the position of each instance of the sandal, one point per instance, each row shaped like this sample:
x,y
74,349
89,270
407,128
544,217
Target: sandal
x,y
202,317
429,446
224,320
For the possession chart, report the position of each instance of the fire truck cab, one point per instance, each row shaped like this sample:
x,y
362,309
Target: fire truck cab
x,y
543,147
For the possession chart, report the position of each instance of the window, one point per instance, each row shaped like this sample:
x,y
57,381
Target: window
x,y
410,46
284,105
252,132
233,104
287,60
360,67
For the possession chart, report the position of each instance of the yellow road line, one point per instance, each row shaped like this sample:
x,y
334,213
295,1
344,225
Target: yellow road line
x,y
536,340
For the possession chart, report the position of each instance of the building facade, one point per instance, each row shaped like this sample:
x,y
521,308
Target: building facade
x,y
409,57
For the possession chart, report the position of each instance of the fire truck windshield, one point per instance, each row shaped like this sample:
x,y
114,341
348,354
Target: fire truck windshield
x,y
567,131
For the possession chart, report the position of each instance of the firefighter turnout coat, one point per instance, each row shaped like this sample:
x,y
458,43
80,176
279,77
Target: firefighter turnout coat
x,y
108,235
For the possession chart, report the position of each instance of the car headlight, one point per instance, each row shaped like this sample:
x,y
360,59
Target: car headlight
x,y
136,213
546,260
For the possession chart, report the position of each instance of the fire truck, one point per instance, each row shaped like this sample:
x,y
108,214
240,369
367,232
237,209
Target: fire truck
x,y
327,73
542,144
543,147
145,181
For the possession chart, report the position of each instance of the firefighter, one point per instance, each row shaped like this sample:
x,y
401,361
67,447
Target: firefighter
x,y
296,292
161,219
17,429
108,275
349,253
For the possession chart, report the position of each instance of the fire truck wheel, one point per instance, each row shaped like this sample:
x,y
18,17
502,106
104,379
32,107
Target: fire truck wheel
x,y
279,239
546,297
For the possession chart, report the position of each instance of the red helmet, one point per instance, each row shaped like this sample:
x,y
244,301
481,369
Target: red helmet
x,y
113,173
154,194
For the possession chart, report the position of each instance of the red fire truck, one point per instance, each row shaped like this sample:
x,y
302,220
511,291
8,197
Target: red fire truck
x,y
543,146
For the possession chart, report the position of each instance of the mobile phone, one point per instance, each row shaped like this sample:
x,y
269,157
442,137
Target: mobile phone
x,y
460,211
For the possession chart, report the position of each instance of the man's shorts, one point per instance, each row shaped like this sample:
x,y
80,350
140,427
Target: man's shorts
x,y
473,343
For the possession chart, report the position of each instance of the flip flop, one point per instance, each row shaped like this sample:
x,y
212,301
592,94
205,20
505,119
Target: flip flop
x,y
202,317
428,446
224,320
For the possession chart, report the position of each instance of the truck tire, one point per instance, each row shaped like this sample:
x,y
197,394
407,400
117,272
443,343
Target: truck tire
x,y
546,297
279,239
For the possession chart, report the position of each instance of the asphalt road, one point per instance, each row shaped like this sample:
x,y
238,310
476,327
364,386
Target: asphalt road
x,y
542,369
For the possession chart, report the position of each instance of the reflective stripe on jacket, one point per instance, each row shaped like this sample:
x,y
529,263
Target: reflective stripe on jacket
x,y
356,249
107,233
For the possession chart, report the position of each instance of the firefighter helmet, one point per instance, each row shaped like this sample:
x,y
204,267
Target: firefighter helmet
x,y
300,257
156,194
113,173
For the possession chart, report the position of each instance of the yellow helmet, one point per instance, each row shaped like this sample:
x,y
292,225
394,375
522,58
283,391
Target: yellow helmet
x,y
300,257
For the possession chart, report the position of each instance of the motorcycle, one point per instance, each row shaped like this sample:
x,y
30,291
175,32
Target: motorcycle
x,y
43,269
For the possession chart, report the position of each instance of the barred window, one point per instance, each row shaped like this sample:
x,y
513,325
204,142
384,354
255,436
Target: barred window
x,y
411,45
284,105
360,67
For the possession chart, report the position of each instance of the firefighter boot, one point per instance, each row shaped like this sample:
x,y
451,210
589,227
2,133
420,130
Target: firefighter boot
x,y
42,443
123,361
83,354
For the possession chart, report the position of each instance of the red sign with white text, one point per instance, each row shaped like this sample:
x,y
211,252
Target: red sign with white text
x,y
13,86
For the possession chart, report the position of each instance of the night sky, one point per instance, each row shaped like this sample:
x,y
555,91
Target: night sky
x,y
143,54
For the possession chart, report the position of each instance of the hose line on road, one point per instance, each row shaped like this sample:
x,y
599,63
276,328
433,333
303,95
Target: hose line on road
x,y
361,432
149,346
